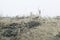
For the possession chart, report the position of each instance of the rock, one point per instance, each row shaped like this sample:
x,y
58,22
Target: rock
x,y
32,24
9,33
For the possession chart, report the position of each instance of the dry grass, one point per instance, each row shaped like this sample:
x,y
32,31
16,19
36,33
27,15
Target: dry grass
x,y
48,29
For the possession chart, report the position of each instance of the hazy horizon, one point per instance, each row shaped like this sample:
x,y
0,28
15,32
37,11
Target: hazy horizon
x,y
24,7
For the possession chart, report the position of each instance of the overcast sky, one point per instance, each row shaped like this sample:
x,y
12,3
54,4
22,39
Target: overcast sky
x,y
24,7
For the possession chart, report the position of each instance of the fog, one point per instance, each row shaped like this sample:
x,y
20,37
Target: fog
x,y
24,7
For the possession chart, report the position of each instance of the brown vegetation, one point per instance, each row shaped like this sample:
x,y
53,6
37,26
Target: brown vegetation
x,y
29,28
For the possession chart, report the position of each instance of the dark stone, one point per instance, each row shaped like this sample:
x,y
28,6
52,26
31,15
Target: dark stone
x,y
58,35
13,24
9,33
32,24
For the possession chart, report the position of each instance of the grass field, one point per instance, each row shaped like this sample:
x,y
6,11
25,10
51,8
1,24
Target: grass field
x,y
29,28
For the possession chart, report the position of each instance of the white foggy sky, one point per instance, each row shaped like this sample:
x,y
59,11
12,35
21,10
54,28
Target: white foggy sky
x,y
20,7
